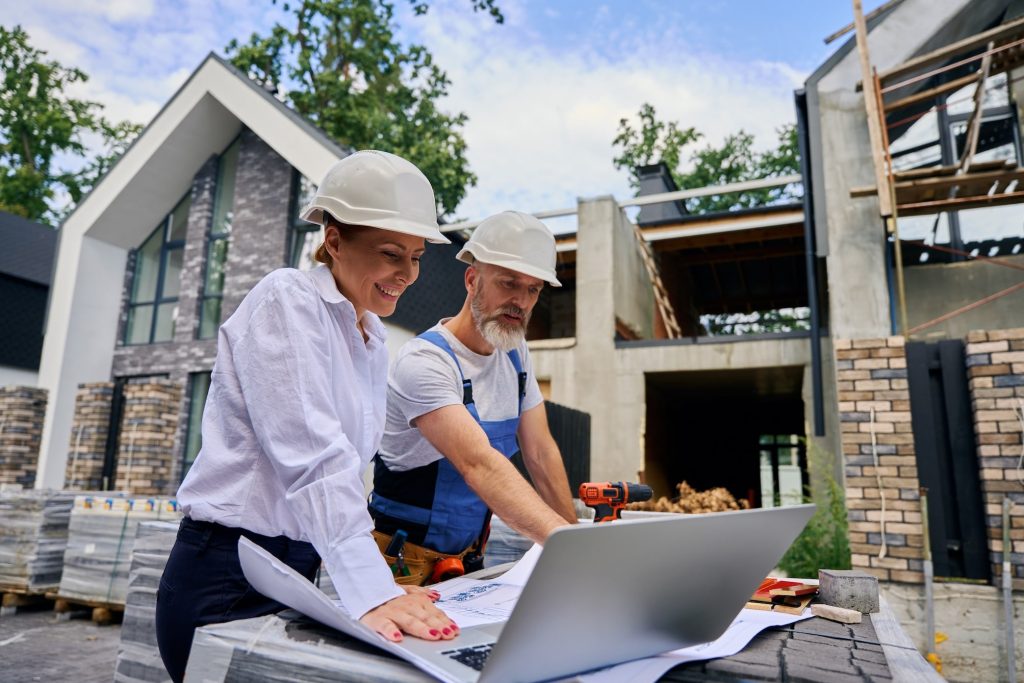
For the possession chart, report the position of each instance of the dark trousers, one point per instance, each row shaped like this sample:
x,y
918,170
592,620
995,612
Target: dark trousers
x,y
203,584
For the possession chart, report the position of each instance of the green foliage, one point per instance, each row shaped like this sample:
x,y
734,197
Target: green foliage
x,y
38,123
735,161
339,64
758,322
824,543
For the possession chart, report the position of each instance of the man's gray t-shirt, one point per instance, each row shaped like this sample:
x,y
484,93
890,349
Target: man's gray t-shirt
x,y
424,378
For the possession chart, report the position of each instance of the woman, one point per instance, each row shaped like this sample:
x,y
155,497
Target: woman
x,y
294,414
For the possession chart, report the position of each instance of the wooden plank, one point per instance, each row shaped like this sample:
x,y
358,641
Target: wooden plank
x,y
905,663
930,93
724,238
959,203
974,124
1005,31
870,15
873,114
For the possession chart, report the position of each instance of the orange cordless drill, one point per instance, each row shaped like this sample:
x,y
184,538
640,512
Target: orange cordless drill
x,y
608,497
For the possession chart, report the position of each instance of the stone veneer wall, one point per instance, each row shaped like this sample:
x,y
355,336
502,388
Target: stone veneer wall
x,y
995,368
22,410
145,455
872,375
90,428
257,246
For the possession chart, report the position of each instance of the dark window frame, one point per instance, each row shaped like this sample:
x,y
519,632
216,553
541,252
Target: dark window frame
x,y
166,247
297,228
213,237
187,463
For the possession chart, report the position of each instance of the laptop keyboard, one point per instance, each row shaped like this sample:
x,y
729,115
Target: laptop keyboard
x,y
473,657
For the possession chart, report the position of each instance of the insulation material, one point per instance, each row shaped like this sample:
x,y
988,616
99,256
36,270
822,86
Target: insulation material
x,y
692,501
138,659
33,535
100,540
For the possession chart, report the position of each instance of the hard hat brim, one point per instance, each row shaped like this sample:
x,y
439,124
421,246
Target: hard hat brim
x,y
466,256
315,214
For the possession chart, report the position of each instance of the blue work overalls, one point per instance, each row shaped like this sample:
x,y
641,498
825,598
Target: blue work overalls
x,y
433,503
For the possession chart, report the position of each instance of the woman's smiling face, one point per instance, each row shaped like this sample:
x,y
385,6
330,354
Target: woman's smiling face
x,y
373,267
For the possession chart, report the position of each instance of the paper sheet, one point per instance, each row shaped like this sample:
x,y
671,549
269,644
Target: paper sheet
x,y
471,602
744,627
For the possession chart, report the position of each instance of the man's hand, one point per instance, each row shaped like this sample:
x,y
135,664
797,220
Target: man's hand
x,y
454,432
412,613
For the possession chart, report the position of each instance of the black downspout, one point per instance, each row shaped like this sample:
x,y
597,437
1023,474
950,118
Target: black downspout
x,y
810,259
113,434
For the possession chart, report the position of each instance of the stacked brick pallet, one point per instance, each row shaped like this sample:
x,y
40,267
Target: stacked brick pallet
x,y
872,377
33,536
89,429
21,426
148,429
995,368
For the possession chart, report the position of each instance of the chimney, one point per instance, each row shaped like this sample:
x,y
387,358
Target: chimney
x,y
656,179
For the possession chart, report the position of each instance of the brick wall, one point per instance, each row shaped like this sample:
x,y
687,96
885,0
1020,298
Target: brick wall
x,y
146,454
995,368
89,429
871,375
21,427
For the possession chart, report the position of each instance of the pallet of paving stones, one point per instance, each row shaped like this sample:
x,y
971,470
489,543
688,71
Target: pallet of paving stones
x,y
138,659
13,600
101,535
33,537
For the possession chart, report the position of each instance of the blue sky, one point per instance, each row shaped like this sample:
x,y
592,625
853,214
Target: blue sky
x,y
544,92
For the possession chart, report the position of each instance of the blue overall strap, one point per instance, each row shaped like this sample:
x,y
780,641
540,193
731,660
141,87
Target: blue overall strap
x,y
438,340
513,356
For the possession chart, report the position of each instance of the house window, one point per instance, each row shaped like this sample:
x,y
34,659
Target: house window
x,y
156,282
305,237
199,389
217,243
782,479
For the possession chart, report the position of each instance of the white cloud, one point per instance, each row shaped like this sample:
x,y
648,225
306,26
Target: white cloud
x,y
543,117
111,10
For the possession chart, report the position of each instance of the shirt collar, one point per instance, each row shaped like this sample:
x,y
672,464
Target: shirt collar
x,y
323,279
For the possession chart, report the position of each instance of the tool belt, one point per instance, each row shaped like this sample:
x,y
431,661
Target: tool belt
x,y
418,563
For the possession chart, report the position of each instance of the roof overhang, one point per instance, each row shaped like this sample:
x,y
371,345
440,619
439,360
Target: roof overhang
x,y
201,119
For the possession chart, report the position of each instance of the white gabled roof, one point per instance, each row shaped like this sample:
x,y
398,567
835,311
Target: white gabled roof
x,y
199,120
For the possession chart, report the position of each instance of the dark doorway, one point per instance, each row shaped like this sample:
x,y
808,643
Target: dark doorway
x,y
947,465
740,429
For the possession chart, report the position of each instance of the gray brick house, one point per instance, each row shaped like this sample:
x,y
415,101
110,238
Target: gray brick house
x,y
201,207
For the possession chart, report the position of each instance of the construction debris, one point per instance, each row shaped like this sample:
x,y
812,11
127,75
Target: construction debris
x,y
691,501
839,614
33,536
100,540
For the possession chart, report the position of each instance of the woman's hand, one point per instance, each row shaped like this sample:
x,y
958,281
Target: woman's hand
x,y
422,590
412,613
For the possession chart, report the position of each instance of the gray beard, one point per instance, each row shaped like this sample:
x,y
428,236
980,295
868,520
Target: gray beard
x,y
496,334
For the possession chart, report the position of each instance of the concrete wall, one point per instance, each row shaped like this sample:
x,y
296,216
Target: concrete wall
x,y
18,376
935,290
634,295
973,620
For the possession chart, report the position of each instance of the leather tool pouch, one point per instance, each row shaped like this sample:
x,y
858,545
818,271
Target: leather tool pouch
x,y
419,561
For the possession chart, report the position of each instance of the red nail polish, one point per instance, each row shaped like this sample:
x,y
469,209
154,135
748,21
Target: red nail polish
x,y
455,626
398,635
446,630
433,631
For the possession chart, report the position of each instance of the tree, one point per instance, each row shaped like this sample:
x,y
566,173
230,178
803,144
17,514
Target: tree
x,y
339,64
735,161
39,122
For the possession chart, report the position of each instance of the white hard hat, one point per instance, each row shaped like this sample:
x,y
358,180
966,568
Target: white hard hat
x,y
516,241
380,190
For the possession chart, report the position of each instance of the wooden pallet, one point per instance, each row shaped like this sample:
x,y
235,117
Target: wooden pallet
x,y
103,613
13,598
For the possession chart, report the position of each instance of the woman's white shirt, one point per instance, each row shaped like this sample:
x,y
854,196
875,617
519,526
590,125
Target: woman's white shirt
x,y
295,412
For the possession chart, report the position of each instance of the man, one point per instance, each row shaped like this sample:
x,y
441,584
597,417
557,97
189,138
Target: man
x,y
462,399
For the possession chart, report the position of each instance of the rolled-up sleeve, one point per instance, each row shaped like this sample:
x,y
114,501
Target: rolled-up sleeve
x,y
287,377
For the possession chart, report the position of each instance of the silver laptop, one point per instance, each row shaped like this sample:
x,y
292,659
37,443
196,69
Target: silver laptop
x,y
600,594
